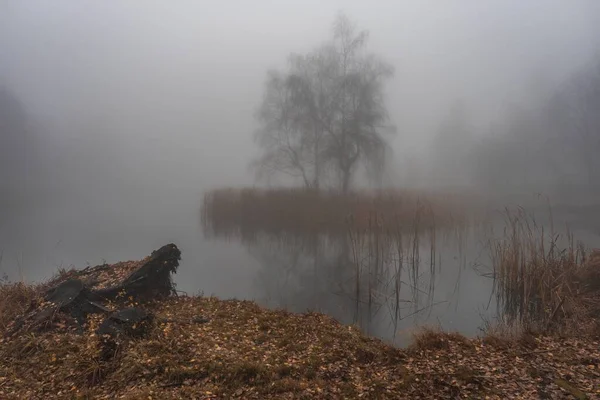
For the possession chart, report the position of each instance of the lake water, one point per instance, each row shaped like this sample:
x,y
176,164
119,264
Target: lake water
x,y
447,285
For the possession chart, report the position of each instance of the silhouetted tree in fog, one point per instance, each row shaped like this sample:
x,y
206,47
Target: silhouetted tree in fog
x,y
574,113
326,113
15,150
452,147
512,156
551,147
289,135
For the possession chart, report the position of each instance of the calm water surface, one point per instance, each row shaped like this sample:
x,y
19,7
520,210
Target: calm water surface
x,y
441,281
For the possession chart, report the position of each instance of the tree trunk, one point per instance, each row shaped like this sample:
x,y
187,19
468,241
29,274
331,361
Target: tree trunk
x,y
317,163
345,180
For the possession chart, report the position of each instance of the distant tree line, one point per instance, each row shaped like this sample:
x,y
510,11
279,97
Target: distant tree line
x,y
16,149
551,147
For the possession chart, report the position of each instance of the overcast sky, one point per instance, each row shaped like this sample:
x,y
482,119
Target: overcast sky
x,y
161,94
187,76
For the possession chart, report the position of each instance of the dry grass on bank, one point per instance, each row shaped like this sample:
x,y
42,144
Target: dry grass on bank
x,y
249,352
545,281
15,298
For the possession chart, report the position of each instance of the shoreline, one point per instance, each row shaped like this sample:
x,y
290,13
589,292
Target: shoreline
x,y
249,352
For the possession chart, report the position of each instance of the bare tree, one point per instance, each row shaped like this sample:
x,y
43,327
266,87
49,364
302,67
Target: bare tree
x,y
327,112
551,147
580,121
570,134
287,147
362,116
451,147
16,156
14,141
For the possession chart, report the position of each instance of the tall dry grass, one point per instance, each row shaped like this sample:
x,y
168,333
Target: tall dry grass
x,y
15,299
390,242
246,212
542,278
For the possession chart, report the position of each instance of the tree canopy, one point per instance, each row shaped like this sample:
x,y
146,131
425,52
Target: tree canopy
x,y
325,115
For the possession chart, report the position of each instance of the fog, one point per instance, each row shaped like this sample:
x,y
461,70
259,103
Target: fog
x,y
122,114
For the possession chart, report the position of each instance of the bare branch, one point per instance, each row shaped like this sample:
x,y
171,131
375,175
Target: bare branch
x,y
327,111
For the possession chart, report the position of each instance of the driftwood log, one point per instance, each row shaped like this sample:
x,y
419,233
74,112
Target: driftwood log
x,y
152,281
75,296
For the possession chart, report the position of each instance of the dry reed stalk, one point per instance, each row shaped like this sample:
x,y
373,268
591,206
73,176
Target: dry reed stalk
x,y
244,212
538,274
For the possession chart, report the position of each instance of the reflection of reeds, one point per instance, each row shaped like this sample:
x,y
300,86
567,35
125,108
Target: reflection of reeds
x,y
536,272
387,240
245,212
383,254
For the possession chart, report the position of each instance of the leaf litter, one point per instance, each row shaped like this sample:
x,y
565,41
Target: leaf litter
x,y
207,348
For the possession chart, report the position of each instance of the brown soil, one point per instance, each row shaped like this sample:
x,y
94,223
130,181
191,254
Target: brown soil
x,y
249,352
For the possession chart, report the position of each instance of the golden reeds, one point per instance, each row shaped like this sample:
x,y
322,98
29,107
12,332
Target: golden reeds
x,y
246,212
538,274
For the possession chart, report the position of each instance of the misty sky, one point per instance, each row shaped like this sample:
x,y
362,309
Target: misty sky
x,y
149,103
154,75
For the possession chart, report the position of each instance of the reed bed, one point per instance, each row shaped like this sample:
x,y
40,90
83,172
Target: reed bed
x,y
246,212
544,280
386,241
390,243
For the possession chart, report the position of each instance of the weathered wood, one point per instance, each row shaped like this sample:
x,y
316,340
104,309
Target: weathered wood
x,y
73,297
132,322
152,280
